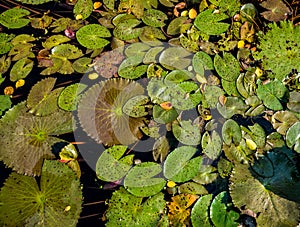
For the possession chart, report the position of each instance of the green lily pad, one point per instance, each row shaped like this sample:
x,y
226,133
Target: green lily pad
x,y
130,68
277,10
67,51
200,211
5,63
148,184
21,51
283,120
174,27
21,69
152,36
192,188
154,17
177,76
271,94
5,44
151,55
69,96
294,101
221,212
82,65
126,30
54,200
211,145
206,174
14,18
231,132
64,23
34,2
227,67
232,106
139,211
293,137
135,49
92,36
257,134
202,61
187,133
209,22
55,40
179,165
135,107
163,116
161,149
211,95
111,166
136,7
41,99
5,103
175,58
83,8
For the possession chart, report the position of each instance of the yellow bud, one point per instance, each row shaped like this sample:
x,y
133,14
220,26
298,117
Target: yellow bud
x,y
192,13
78,17
97,5
241,44
67,208
184,13
171,184
9,90
251,144
20,83
166,105
258,72
93,76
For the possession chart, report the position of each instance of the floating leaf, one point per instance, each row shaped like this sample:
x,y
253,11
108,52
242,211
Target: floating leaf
x,y
177,76
69,97
211,145
294,101
100,112
160,149
224,167
34,2
187,133
209,22
202,61
41,100
200,211
232,106
179,208
257,134
67,51
139,49
248,192
41,22
151,55
277,10
221,212
227,67
13,18
138,210
135,107
206,174
92,36
110,4
64,23
271,94
175,58
154,17
55,40
179,165
111,166
148,184
21,69
283,120
293,137
192,188
130,68
174,27
168,3
5,103
42,201
5,44
136,7
4,65
211,95
163,116
26,140
82,65
152,36
231,132
126,30
21,51
83,8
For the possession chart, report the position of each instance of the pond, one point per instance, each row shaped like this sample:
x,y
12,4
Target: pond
x,y
149,113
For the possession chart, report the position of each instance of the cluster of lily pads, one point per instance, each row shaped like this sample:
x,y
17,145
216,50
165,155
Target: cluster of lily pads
x,y
210,85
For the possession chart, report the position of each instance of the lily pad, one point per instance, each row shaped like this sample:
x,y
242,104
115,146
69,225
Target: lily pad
x,y
175,58
209,22
202,61
206,175
126,30
294,101
163,116
135,107
101,116
271,94
293,137
187,133
231,132
21,69
83,8
5,44
221,212
111,166
200,211
34,2
277,10
179,165
160,149
14,18
174,27
130,68
148,184
92,36
232,106
5,63
283,120
227,67
69,96
140,211
192,188
82,65
43,201
55,40
211,145
154,17
5,103
152,36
